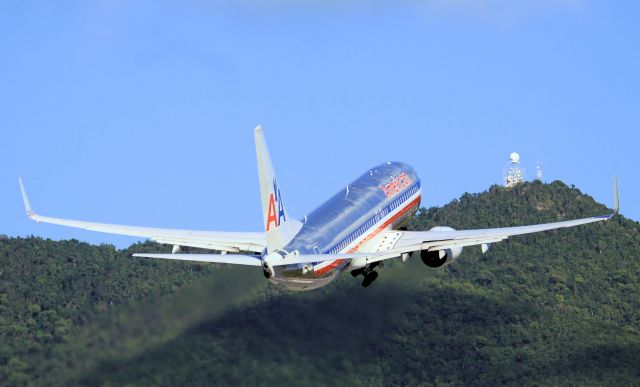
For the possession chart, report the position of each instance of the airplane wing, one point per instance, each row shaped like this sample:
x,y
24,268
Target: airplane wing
x,y
407,242
232,242
403,242
411,241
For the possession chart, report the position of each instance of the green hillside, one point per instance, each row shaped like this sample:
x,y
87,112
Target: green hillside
x,y
557,308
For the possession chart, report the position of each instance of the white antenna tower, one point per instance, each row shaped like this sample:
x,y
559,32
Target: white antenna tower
x,y
513,173
538,171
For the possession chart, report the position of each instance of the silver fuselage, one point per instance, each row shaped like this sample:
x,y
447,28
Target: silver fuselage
x,y
383,198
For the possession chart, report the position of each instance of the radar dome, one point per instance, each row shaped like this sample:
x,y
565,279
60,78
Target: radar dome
x,y
514,157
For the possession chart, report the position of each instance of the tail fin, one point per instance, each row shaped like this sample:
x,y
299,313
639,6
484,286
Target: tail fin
x,y
279,227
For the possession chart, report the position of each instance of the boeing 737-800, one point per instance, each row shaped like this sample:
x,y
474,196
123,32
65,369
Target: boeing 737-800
x,y
355,230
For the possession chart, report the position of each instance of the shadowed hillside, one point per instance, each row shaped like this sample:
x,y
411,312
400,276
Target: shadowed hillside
x,y
554,308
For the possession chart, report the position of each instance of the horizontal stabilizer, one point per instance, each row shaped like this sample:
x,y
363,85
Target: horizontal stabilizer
x,y
234,259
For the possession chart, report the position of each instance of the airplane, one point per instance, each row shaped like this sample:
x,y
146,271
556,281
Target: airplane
x,y
355,230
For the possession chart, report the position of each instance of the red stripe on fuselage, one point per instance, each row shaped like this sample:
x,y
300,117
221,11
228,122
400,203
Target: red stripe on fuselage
x,y
377,231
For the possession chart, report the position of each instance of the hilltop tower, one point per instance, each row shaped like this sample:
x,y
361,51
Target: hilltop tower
x,y
538,171
513,173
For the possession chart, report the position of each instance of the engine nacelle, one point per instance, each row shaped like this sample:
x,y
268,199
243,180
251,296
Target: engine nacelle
x,y
267,270
438,258
267,267
433,258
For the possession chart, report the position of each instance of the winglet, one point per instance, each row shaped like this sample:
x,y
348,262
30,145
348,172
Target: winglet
x,y
25,199
616,200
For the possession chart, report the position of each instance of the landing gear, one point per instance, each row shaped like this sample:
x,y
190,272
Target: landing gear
x,y
369,278
357,272
369,274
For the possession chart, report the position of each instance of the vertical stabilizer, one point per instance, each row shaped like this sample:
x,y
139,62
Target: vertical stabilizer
x,y
279,227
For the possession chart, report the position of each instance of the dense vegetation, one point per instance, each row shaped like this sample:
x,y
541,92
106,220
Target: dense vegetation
x,y
560,307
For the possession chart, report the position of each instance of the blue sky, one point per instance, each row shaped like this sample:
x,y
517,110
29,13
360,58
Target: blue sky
x,y
142,112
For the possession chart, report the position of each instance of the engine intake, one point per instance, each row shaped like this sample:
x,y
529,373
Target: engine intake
x,y
437,258
433,258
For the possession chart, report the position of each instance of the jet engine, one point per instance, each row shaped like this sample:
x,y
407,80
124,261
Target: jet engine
x,y
437,258
267,267
267,270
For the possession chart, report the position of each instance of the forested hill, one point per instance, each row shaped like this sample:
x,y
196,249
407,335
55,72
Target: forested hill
x,y
560,307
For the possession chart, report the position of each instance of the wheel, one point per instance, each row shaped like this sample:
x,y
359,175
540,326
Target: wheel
x,y
369,278
357,272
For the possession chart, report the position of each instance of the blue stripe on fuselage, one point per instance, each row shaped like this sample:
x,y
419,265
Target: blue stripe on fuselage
x,y
371,222
349,213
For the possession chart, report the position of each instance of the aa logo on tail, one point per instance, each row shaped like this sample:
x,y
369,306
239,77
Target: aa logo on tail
x,y
275,214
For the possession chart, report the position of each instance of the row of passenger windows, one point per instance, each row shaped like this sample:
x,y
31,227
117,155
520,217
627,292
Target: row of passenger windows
x,y
367,225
